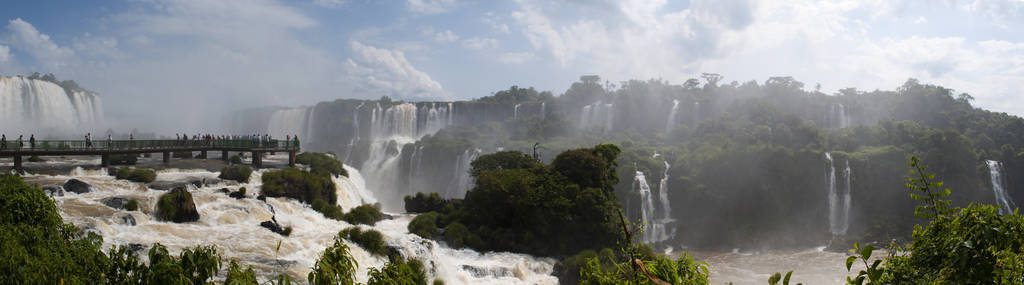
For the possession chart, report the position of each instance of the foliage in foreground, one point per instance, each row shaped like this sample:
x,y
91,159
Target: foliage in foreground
x,y
300,185
321,163
972,245
372,240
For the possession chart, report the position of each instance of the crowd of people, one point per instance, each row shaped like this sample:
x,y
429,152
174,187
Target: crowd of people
x,y
264,140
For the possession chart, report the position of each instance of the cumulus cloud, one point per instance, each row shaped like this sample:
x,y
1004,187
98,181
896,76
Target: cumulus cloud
x,y
514,57
5,54
441,36
23,36
431,6
495,23
388,73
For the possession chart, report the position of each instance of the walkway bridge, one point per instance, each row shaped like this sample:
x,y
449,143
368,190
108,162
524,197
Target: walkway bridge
x,y
106,148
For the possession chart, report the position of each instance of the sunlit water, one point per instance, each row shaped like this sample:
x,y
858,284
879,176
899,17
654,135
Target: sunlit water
x,y
233,226
810,266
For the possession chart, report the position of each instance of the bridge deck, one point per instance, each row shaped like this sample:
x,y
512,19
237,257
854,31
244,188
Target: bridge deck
x,y
105,148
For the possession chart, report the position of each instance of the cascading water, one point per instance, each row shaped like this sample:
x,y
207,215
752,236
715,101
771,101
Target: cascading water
x,y
1003,200
836,116
839,201
671,124
543,110
666,207
232,225
290,121
437,118
355,138
652,231
597,115
515,111
38,106
461,180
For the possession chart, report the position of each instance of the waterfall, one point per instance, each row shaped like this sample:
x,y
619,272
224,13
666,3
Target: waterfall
x,y
543,110
836,116
461,180
355,138
597,115
515,111
671,124
451,113
1003,200
696,113
232,225
652,230
43,107
666,207
436,119
290,121
838,200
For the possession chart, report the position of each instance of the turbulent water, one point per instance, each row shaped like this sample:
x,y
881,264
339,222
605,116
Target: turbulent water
x,y
838,199
42,107
1003,200
233,226
810,266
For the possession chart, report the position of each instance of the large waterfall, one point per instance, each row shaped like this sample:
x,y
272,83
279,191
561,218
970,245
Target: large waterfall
x,y
836,116
597,115
232,225
291,122
838,199
391,129
671,124
461,180
1003,200
655,225
45,108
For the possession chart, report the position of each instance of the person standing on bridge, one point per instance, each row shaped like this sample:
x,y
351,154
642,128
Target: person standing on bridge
x,y
21,142
32,141
88,140
3,141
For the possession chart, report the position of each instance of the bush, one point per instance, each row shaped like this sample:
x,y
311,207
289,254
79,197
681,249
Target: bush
x,y
328,210
422,203
335,265
237,276
300,185
364,214
372,241
131,205
238,173
398,271
424,225
177,206
136,174
35,158
123,159
456,235
321,163
235,159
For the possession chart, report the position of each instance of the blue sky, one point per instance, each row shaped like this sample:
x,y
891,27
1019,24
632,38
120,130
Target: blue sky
x,y
209,56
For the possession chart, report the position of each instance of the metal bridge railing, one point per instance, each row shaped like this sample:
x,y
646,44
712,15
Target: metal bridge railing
x,y
148,144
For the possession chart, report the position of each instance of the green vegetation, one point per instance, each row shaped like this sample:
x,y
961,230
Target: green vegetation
x,y
235,159
177,206
238,173
131,205
337,266
372,241
321,163
123,159
521,205
970,245
398,271
363,214
300,185
136,174
35,158
422,203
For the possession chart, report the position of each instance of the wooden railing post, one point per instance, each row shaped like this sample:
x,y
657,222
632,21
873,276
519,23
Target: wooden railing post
x,y
17,164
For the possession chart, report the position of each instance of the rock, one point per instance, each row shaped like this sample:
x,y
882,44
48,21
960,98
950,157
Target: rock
x,y
167,185
275,227
128,220
211,181
54,191
237,195
177,206
224,190
136,247
77,186
261,198
115,202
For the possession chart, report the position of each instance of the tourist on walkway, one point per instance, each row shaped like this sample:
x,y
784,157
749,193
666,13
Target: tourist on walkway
x,y
3,142
21,142
32,141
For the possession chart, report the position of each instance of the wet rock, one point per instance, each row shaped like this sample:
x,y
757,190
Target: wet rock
x,y
224,190
481,272
77,186
136,247
128,220
177,206
237,194
115,202
262,198
273,226
167,185
54,191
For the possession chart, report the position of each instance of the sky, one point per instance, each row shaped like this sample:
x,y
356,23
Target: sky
x,y
157,63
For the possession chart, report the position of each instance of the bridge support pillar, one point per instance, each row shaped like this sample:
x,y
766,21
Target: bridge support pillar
x,y
167,157
105,159
291,158
257,159
224,156
17,164
202,154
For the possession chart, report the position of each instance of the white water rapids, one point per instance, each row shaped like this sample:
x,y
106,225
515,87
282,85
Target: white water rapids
x,y
233,226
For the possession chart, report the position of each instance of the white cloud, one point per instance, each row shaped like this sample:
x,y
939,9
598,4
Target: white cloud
x,y
329,3
5,54
446,36
387,72
480,43
921,20
514,57
431,6
495,23
23,36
